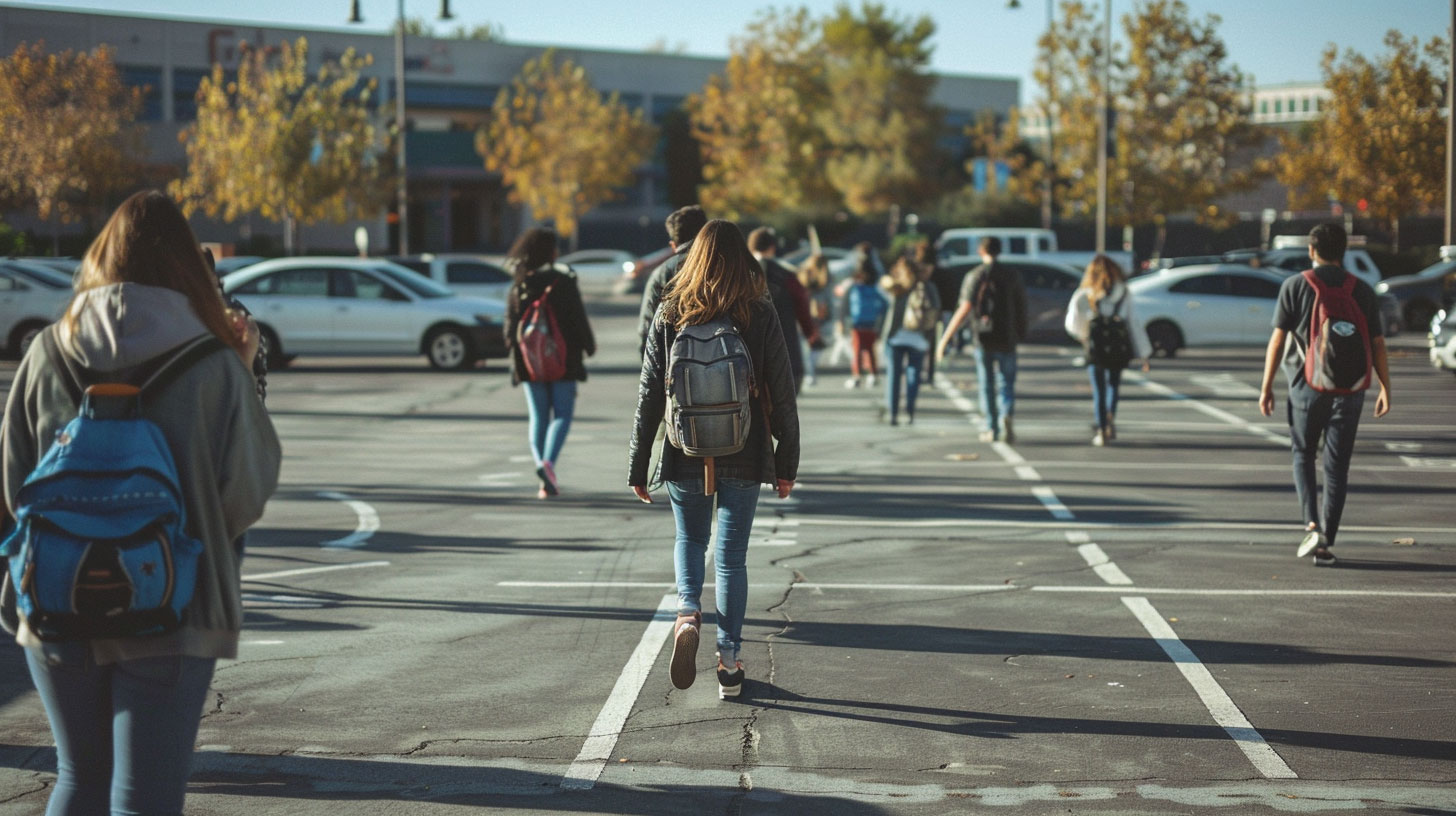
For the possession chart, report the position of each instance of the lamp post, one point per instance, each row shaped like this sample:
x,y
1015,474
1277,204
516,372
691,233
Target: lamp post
x,y
1047,204
400,166
1102,111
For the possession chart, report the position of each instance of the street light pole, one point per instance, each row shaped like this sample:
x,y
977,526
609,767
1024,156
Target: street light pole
x,y
401,191
1106,98
1451,134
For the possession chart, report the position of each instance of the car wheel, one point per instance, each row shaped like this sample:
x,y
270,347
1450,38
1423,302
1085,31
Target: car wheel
x,y
449,349
274,356
1164,337
1418,316
23,336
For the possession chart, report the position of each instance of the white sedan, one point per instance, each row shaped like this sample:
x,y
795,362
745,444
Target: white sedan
x,y
1206,305
599,264
31,298
355,306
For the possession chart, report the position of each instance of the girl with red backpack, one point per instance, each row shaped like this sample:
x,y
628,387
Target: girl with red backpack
x,y
547,332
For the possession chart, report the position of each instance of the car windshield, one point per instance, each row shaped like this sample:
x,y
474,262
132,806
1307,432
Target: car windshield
x,y
421,287
1438,270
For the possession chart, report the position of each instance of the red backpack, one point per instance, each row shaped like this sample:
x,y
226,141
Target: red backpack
x,y
539,337
1338,358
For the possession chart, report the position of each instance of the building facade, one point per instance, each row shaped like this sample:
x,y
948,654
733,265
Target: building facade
x,y
450,86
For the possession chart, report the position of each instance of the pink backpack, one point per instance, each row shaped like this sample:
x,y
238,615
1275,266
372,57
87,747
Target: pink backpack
x,y
539,337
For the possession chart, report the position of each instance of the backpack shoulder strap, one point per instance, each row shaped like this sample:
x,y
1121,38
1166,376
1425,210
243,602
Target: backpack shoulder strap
x,y
179,360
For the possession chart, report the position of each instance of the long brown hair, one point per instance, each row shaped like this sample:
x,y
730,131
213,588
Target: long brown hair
x,y
718,277
1102,274
814,274
148,241
901,278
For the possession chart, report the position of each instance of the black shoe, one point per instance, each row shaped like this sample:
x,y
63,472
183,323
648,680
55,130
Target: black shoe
x,y
1324,558
730,683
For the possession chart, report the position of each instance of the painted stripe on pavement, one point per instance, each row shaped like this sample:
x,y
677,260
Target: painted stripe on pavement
x,y
588,765
1054,505
1214,698
367,526
268,576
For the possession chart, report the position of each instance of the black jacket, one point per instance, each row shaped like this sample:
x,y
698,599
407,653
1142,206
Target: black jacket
x,y
570,314
652,292
760,460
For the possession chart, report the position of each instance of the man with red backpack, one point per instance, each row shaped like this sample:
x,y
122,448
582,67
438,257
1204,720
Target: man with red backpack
x,y
1327,335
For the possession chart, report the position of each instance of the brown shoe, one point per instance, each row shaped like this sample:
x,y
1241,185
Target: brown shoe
x,y
684,668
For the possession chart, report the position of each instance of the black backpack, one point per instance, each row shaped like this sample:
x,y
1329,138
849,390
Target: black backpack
x,y
983,305
1109,343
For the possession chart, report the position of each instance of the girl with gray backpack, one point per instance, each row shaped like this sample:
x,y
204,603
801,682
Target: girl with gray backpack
x,y
716,369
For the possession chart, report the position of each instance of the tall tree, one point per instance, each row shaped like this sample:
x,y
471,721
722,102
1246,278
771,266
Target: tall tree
x,y
762,148
1181,114
560,147
1069,69
1381,139
287,144
879,123
69,140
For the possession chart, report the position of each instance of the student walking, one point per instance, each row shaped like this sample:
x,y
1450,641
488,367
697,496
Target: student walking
x,y
124,711
547,332
864,306
682,225
719,295
1100,318
788,296
814,277
909,330
995,298
1327,336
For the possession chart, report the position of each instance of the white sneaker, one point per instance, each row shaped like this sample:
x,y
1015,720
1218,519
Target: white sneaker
x,y
1098,440
870,381
1312,541
852,382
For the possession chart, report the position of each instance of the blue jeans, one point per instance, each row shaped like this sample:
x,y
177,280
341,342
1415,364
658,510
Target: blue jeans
x,y
1105,384
551,405
998,387
906,363
736,500
124,732
1338,417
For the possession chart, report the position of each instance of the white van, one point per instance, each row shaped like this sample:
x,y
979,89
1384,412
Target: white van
x,y
959,246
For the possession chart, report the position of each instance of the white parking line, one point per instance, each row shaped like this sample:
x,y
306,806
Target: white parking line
x,y
1214,698
1053,504
587,768
268,576
1102,565
1056,588
1209,410
368,522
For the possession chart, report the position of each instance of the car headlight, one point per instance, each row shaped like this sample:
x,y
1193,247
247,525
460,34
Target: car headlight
x,y
1436,323
628,267
1381,288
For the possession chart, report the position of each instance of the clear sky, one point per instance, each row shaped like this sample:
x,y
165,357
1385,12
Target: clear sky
x,y
1277,41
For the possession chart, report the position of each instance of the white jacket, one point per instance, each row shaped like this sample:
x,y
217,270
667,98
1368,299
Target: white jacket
x,y
1079,315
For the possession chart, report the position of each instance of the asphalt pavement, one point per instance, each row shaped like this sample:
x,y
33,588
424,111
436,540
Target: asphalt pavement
x,y
936,625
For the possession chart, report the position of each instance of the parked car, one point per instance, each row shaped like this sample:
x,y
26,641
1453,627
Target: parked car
x,y
473,275
598,264
1212,304
26,307
41,274
1422,295
634,277
365,306
66,266
961,245
1049,288
1442,338
1357,261
798,256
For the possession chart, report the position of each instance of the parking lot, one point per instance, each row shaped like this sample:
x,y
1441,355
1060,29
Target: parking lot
x,y
935,624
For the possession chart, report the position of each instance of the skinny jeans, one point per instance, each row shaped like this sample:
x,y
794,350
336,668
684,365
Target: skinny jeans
x,y
551,405
734,506
906,364
124,731
996,374
1106,382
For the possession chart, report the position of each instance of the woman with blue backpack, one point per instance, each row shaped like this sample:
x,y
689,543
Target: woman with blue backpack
x,y
1100,318
716,368
147,359
547,332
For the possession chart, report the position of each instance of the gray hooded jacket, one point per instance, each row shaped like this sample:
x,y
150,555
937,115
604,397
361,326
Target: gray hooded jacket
x,y
226,450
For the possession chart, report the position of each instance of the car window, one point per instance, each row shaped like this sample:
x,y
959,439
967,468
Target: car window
x,y
1254,287
289,283
476,272
8,284
1034,276
1043,245
1294,263
1202,285
590,257
423,287
422,267
1016,246
364,286
1357,263
956,246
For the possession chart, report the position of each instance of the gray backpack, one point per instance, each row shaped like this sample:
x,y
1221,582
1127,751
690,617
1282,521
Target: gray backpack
x,y
710,390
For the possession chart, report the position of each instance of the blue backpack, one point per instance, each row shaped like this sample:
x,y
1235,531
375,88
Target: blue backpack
x,y
100,548
866,305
